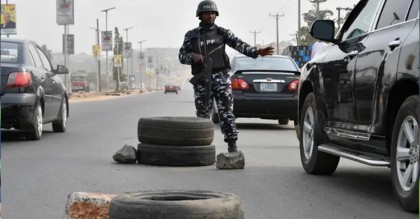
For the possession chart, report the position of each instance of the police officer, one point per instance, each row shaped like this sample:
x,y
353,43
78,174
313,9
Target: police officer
x,y
208,41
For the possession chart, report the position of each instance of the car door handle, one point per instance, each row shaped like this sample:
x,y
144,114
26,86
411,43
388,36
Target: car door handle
x,y
394,44
351,55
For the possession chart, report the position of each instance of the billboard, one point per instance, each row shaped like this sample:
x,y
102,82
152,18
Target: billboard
x,y
65,12
106,37
70,44
117,61
96,51
8,19
127,52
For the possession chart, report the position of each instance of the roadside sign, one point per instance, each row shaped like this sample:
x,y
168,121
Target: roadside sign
x,y
127,52
70,44
117,61
106,40
8,19
65,12
96,51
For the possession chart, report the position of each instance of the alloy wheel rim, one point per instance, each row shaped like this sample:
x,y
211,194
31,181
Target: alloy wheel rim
x,y
308,133
407,153
39,120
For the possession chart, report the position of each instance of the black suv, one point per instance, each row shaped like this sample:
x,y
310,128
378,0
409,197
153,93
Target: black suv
x,y
359,96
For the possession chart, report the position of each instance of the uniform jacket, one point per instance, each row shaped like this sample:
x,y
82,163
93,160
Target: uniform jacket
x,y
210,42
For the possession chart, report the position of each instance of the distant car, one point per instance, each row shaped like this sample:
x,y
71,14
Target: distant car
x,y
171,88
32,93
359,96
79,82
263,88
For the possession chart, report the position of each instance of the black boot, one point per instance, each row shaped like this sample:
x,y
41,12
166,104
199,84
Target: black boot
x,y
232,146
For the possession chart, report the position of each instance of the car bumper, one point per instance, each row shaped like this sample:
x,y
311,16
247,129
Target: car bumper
x,y
17,110
267,108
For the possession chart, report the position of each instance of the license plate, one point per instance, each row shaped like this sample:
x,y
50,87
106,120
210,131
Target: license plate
x,y
268,87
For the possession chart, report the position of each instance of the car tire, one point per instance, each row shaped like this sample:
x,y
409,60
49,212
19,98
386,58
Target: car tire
x,y
405,154
60,125
183,131
215,116
164,155
175,204
313,160
37,124
283,121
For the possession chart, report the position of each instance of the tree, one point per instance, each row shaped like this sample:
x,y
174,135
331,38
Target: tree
x,y
48,52
118,50
310,17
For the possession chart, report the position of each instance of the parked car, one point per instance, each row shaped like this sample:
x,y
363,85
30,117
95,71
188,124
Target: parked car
x,y
263,88
171,88
359,96
32,93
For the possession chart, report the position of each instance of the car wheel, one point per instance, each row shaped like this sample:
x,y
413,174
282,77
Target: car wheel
x,y
60,125
175,204
215,116
164,155
283,121
184,131
314,161
405,154
36,133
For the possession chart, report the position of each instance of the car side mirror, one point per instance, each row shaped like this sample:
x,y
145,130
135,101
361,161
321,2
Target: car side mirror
x,y
323,30
61,69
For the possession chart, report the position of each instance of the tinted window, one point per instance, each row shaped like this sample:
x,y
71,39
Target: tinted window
x,y
393,13
46,63
10,52
363,21
414,11
271,63
35,57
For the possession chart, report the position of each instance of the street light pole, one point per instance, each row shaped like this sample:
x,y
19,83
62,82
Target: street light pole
x,y
126,40
106,29
98,68
141,66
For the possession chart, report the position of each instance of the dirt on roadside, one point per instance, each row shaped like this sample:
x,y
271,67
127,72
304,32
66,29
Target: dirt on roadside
x,y
97,96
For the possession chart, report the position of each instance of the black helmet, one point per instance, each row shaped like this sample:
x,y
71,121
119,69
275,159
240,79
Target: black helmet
x,y
207,5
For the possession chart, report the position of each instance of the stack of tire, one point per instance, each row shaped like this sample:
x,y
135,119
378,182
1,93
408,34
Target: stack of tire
x,y
175,141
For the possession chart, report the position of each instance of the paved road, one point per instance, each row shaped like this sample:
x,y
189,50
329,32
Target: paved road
x,y
38,176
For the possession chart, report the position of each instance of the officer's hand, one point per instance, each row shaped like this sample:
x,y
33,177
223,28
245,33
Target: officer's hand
x,y
265,51
197,58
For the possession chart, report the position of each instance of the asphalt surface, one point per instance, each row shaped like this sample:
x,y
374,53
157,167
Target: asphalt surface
x,y
38,176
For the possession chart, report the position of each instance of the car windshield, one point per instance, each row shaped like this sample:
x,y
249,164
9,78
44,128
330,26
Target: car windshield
x,y
78,78
266,63
10,52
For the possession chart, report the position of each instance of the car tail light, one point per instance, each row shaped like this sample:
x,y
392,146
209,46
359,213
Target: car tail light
x,y
294,85
19,79
239,84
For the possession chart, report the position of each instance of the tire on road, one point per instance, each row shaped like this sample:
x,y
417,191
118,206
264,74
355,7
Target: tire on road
x,y
37,124
176,205
175,131
313,160
163,155
60,125
405,169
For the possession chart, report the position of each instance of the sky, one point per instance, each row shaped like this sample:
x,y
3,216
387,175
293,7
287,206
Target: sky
x,y
161,23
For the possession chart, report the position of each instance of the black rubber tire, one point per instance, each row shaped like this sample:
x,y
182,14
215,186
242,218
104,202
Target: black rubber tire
x,y
163,155
283,121
175,205
36,130
175,131
409,200
60,125
319,162
215,116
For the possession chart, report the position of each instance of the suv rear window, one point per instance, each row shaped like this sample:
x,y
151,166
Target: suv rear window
x,y
10,52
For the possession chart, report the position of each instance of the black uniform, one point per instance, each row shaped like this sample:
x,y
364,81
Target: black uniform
x,y
209,41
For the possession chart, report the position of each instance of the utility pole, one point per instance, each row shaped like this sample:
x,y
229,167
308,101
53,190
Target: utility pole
x,y
141,65
339,17
255,36
98,67
106,29
299,25
317,7
277,17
